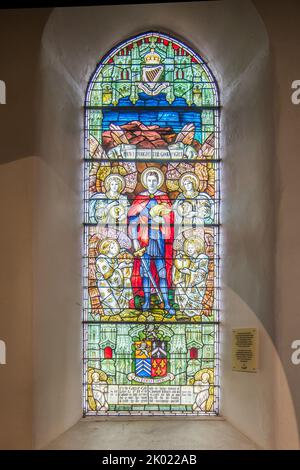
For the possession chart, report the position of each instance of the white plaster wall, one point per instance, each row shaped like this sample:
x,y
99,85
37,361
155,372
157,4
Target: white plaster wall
x,y
283,28
56,304
57,257
246,394
231,37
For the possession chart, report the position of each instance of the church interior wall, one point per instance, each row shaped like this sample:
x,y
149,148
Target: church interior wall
x,y
47,248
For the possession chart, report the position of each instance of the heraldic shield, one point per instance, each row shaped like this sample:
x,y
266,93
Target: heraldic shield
x,y
151,358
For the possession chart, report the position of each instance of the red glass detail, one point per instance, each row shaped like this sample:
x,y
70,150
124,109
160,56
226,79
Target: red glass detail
x,y
166,43
193,353
108,353
158,367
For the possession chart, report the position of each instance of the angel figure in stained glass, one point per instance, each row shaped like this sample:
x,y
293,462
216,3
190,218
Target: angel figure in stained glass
x,y
190,275
113,272
99,391
201,388
110,208
192,207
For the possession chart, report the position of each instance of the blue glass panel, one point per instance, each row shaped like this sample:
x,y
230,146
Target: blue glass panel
x,y
146,100
175,119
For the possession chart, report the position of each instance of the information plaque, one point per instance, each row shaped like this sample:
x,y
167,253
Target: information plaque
x,y
244,349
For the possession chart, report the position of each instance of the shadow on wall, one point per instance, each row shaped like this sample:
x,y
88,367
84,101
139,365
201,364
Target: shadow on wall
x,y
262,392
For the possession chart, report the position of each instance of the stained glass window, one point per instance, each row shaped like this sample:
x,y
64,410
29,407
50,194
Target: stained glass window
x,y
151,232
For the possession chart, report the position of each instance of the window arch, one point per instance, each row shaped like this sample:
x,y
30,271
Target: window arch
x,y
151,229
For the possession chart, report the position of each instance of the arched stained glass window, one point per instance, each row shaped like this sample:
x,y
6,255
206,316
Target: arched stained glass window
x,y
151,231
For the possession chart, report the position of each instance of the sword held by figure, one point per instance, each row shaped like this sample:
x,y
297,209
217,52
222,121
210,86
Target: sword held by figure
x,y
150,225
140,254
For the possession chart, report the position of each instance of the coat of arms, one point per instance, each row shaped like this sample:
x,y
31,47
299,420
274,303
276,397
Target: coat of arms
x,y
150,358
150,355
152,74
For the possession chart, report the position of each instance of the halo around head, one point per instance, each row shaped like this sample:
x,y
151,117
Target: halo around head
x,y
197,242
95,374
112,176
159,173
104,245
189,176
